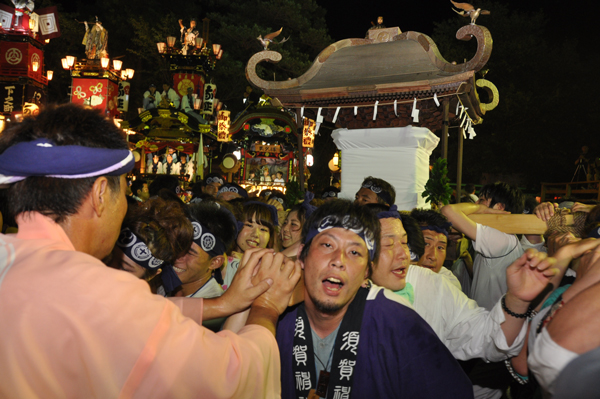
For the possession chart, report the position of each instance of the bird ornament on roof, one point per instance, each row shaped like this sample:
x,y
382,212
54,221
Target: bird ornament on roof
x,y
269,39
467,10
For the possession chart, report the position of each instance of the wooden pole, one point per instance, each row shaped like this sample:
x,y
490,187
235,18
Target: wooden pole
x,y
445,129
299,126
461,132
200,160
515,224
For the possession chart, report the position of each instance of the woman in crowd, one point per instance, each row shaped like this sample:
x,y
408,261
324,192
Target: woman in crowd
x,y
291,230
153,235
257,228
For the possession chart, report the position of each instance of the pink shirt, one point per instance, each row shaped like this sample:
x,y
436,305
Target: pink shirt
x,y
70,327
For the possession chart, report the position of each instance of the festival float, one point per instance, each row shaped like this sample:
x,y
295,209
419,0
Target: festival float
x,y
23,75
183,131
386,94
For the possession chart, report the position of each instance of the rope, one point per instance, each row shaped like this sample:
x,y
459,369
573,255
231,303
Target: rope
x,y
558,223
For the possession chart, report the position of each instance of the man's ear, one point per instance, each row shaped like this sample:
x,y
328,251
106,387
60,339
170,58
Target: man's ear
x,y
298,256
100,194
216,262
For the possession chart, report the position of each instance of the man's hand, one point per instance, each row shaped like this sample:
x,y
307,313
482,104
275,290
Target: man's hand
x,y
527,276
557,241
579,207
245,287
285,274
545,210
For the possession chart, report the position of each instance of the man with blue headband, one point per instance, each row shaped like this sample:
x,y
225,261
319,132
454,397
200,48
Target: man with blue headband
x,y
348,341
71,326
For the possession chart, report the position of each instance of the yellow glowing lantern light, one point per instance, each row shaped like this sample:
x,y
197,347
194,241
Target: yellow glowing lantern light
x,y
336,159
124,75
104,62
35,66
47,41
308,133
223,123
31,23
216,48
171,41
161,47
64,63
49,74
220,54
130,73
117,64
199,41
70,61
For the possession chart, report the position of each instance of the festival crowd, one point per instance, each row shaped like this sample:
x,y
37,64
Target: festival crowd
x,y
233,296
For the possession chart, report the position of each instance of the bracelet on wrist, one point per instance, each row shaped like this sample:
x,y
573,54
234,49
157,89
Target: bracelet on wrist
x,y
518,377
513,314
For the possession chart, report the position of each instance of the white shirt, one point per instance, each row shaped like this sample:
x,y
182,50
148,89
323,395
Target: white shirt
x,y
185,104
157,97
495,251
172,96
467,330
448,275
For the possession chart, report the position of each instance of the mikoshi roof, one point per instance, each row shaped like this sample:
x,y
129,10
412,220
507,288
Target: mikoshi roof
x,y
391,68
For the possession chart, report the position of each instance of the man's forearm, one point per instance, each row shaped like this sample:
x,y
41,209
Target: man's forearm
x,y
513,325
263,317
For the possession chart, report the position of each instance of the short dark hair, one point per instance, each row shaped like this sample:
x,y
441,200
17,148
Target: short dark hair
x,y
342,208
503,193
385,186
416,242
217,219
67,124
137,184
429,217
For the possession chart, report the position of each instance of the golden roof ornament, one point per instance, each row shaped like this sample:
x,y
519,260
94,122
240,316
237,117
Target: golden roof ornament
x,y
269,39
469,11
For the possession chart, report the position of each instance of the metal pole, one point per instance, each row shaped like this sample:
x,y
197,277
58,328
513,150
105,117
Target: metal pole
x,y
461,132
299,125
445,129
200,159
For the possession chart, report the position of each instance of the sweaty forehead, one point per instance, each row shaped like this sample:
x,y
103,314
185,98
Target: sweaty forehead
x,y
392,227
434,235
342,236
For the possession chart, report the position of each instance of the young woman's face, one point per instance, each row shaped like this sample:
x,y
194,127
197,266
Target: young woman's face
x,y
253,235
291,230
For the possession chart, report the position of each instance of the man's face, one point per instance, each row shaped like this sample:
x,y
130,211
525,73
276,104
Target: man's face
x,y
155,158
435,250
169,158
487,201
365,196
165,87
192,24
152,90
394,257
193,266
380,20
334,270
212,189
114,213
144,194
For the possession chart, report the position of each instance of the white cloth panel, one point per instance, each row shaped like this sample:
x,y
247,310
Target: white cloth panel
x,y
399,156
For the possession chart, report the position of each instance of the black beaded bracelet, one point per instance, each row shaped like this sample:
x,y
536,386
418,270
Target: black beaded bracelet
x,y
513,314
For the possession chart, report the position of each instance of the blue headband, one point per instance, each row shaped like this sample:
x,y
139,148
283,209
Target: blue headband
x,y
384,195
391,213
308,208
206,240
135,249
443,230
213,179
346,222
271,209
63,162
233,188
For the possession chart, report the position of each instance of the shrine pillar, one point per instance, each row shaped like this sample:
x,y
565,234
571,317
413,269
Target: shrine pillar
x,y
399,156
